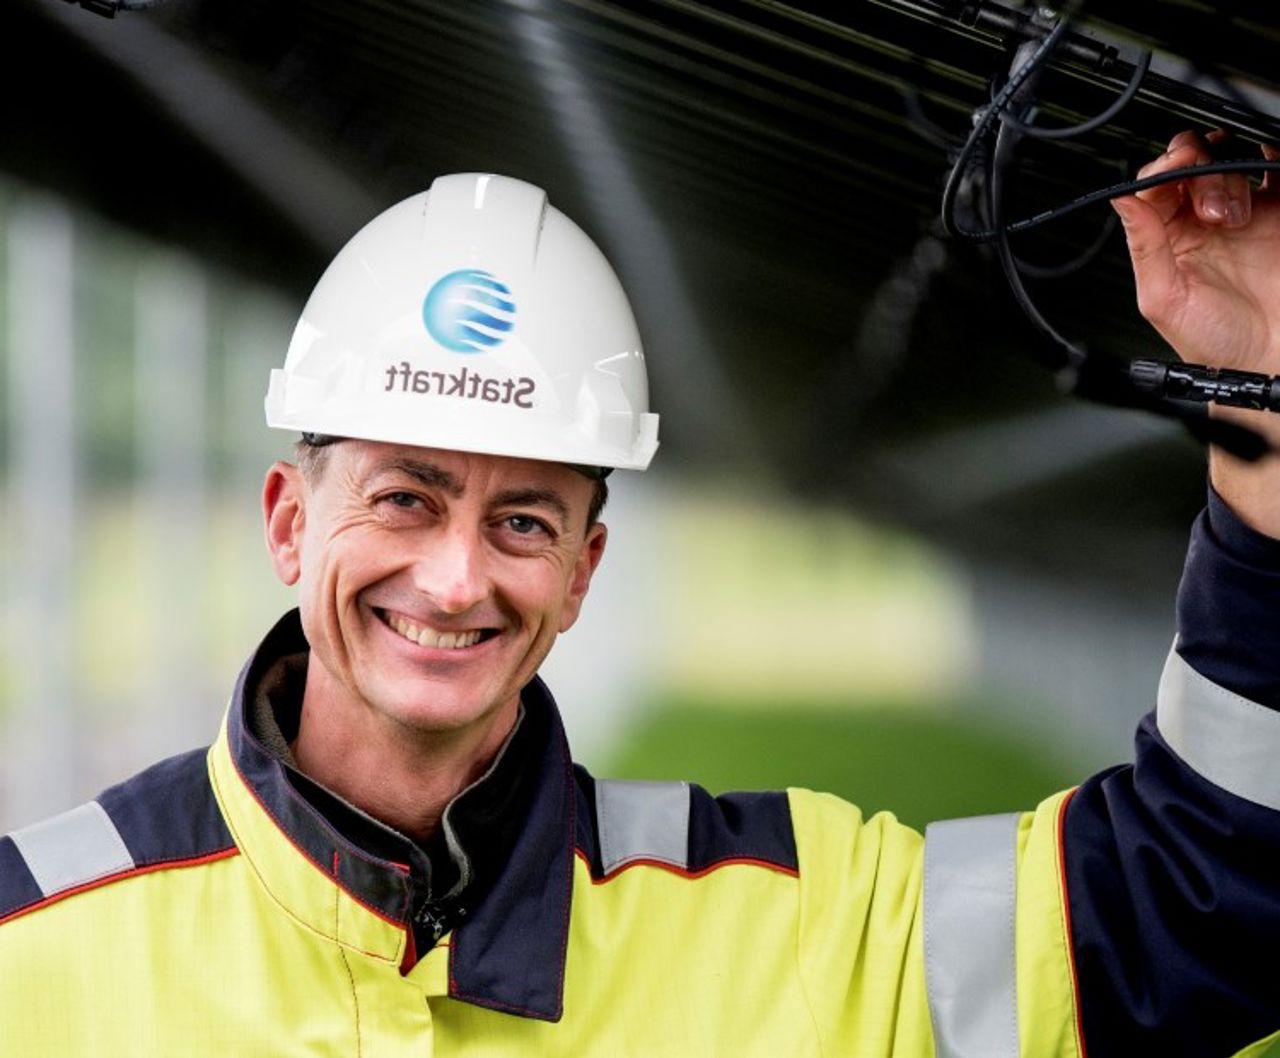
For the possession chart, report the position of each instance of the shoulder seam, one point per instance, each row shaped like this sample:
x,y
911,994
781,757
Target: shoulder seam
x,y
686,872
118,876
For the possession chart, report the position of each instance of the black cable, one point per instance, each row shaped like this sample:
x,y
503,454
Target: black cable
x,y
999,110
984,122
1098,120
1172,391
1066,352
1011,120
1176,391
1081,260
1120,190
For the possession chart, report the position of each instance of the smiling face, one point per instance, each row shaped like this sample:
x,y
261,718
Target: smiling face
x,y
431,583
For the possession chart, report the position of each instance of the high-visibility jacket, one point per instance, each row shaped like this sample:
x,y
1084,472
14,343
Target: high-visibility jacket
x,y
204,908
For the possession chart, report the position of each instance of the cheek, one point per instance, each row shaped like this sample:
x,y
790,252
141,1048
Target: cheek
x,y
539,594
342,567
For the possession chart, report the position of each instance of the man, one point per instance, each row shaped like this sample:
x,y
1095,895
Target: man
x,y
388,851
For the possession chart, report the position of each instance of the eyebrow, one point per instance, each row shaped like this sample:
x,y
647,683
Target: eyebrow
x,y
534,497
427,474
433,476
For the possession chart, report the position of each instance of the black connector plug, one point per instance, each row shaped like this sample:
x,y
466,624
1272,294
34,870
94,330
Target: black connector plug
x,y
105,8
1204,385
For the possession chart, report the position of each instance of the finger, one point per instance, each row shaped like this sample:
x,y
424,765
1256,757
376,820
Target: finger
x,y
1155,270
1239,199
1168,198
1271,154
1187,138
1186,149
1234,187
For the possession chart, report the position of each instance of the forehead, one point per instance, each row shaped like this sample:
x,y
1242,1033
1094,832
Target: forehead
x,y
459,473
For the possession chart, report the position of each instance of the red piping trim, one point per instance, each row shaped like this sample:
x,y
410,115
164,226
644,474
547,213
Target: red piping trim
x,y
683,872
235,767
194,861
410,954
1066,914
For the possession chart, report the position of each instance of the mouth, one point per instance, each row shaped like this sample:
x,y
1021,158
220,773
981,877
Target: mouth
x,y
426,636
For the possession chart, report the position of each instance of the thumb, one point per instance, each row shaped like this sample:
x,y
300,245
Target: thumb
x,y
1155,270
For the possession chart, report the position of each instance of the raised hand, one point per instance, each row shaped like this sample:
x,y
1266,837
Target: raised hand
x,y
1206,259
1206,262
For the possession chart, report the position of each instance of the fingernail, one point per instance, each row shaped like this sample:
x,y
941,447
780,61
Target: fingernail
x,y
1215,205
1236,216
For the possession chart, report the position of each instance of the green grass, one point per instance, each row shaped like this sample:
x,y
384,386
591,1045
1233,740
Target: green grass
x,y
920,764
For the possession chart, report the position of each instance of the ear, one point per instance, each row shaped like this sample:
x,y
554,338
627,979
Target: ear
x,y
588,559
283,495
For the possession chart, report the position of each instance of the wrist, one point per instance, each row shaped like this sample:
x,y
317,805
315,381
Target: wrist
x,y
1250,489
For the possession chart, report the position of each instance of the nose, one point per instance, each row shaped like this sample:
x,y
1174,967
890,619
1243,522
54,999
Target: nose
x,y
452,570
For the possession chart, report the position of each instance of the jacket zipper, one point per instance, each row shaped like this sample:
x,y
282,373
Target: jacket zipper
x,y
432,919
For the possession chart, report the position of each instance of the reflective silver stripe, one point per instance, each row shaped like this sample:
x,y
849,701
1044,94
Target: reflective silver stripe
x,y
76,847
969,960
642,821
1231,741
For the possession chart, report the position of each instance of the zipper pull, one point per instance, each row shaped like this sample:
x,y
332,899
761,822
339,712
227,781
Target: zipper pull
x,y
433,921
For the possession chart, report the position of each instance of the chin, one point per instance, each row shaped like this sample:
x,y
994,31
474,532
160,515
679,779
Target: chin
x,y
433,705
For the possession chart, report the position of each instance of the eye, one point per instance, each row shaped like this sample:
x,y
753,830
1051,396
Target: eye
x,y
404,500
526,525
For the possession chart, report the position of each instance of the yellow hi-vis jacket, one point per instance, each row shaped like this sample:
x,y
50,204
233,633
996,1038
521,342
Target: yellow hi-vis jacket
x,y
205,909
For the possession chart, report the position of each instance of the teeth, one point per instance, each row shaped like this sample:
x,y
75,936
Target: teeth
x,y
429,637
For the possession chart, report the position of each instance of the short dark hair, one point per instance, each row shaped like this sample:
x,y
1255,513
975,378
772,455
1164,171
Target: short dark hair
x,y
599,497
312,459
312,453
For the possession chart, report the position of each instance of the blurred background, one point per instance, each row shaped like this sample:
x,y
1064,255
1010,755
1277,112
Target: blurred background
x,y
878,552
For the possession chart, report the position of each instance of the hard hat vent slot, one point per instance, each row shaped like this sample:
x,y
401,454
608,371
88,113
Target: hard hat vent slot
x,y
603,411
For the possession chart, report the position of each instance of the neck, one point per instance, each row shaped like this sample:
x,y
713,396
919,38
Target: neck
x,y
402,776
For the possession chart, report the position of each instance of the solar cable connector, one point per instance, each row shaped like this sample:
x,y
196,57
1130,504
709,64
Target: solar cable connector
x,y
108,8
105,8
1204,385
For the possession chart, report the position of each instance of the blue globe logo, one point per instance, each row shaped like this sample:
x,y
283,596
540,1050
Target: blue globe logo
x,y
469,311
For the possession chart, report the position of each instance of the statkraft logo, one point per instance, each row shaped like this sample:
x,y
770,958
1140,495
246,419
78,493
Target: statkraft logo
x,y
469,311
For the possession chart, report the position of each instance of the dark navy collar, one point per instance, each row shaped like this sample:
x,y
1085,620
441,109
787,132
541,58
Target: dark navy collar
x,y
516,825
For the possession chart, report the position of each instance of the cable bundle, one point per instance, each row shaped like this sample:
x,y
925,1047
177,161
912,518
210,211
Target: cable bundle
x,y
1171,389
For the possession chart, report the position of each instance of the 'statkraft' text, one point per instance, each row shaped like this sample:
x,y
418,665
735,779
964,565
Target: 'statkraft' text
x,y
466,384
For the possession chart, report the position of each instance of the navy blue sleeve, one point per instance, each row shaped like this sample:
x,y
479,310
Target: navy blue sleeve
x,y
18,888
1173,881
1229,605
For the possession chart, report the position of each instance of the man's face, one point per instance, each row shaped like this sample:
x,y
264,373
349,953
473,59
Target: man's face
x,y
432,583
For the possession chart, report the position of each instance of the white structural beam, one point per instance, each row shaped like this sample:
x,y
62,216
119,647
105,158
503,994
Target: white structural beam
x,y
300,181
170,351
699,394
40,749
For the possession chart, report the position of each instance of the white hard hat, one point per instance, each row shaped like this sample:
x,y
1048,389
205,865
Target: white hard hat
x,y
475,317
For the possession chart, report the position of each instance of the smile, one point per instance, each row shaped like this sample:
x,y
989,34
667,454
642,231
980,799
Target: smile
x,y
426,636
